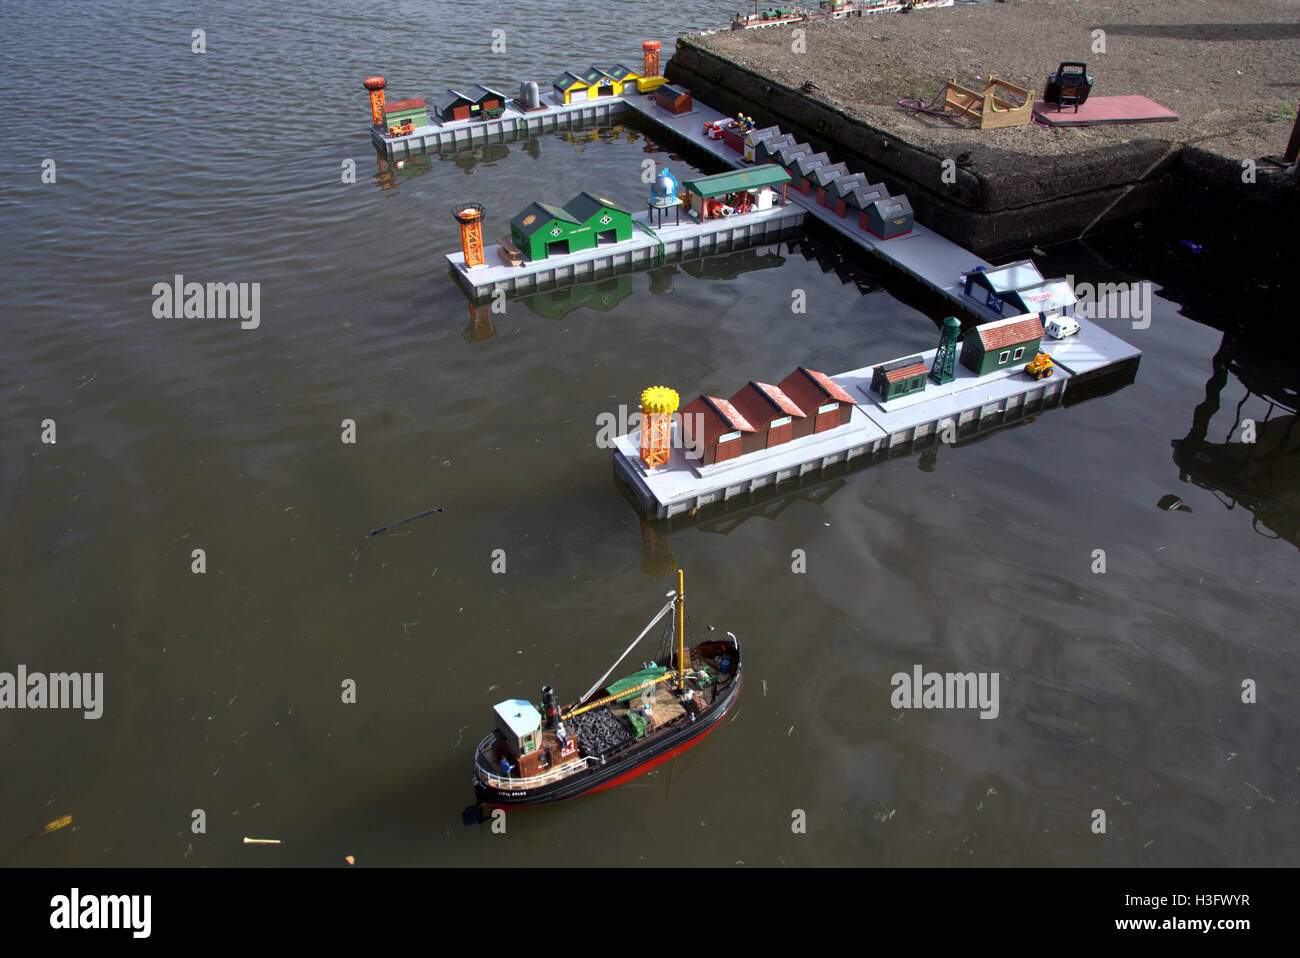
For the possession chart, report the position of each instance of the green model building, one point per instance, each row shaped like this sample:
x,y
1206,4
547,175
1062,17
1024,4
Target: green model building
x,y
583,223
1008,342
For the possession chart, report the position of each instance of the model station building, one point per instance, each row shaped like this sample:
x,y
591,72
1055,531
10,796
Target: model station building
x,y
902,377
753,188
1018,288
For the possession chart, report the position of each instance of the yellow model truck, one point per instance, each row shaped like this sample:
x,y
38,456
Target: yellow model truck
x,y
1040,367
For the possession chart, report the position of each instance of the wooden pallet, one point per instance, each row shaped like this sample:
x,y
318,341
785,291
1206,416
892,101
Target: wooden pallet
x,y
988,109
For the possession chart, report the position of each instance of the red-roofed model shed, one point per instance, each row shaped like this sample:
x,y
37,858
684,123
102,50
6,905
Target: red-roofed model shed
x,y
713,429
770,411
812,390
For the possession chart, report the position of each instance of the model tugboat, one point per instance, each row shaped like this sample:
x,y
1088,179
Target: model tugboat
x,y
616,731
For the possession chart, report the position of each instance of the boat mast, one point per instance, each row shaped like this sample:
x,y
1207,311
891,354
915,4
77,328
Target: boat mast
x,y
681,631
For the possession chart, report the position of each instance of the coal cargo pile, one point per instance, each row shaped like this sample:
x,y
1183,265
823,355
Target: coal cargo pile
x,y
599,733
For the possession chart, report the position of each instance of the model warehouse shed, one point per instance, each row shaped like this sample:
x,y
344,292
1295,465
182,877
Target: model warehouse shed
x,y
854,192
586,221
474,103
887,216
574,86
995,346
713,430
770,411
812,390
803,167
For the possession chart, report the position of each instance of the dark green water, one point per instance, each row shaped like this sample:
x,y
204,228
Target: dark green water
x,y
222,691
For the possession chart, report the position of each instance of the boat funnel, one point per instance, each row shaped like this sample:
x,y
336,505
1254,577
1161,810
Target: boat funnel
x,y
550,707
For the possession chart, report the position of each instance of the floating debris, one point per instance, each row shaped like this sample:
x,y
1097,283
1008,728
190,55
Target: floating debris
x,y
418,515
55,825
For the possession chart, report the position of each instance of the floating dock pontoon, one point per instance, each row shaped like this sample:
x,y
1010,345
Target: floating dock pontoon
x,y
966,404
553,117
648,247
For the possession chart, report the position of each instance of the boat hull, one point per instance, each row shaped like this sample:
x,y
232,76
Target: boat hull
x,y
617,770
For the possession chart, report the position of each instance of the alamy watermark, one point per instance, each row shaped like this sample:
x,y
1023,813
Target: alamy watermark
x,y
946,690
181,300
57,690
78,911
611,425
1131,301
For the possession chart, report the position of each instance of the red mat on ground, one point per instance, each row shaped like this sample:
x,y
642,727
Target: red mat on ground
x,y
1105,109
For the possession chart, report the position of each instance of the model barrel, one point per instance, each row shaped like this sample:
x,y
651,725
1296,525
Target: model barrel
x,y
651,50
376,87
658,403
529,95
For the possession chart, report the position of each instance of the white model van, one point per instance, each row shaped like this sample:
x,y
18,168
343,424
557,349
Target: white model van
x,y
1058,326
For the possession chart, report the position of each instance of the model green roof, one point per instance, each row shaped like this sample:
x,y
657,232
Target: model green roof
x,y
586,205
749,179
542,214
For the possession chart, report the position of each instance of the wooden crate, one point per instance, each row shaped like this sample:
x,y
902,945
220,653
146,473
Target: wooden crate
x,y
988,109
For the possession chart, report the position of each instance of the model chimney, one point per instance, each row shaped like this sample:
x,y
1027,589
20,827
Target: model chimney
x,y
376,87
550,707
470,218
651,49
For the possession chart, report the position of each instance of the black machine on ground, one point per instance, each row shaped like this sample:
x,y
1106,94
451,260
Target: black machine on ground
x,y
1068,85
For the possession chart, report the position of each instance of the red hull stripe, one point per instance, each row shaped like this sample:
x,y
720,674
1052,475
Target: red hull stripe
x,y
642,769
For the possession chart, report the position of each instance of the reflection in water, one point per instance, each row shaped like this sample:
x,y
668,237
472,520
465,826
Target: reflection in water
x,y
480,326
724,517
657,558
601,296
392,171
488,153
662,279
733,264
1262,475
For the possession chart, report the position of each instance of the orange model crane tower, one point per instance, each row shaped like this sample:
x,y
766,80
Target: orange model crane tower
x,y
470,218
658,403
376,87
651,48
